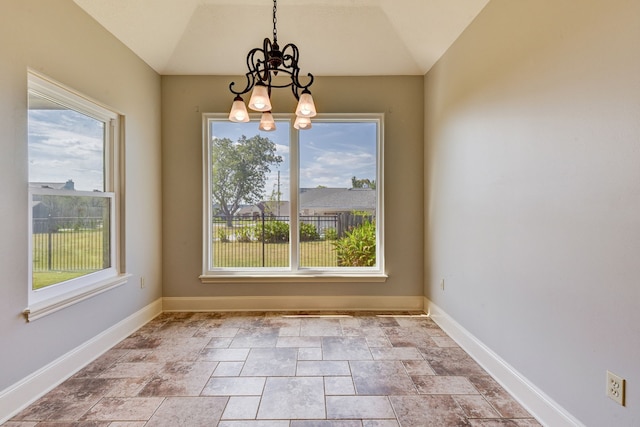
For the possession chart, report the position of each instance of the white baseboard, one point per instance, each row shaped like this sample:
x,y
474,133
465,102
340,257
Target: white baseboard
x,y
21,394
541,406
294,303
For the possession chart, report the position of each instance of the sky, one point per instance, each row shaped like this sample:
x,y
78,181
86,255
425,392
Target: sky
x,y
331,153
64,145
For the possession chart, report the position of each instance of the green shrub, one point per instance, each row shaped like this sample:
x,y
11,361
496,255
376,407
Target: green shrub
x,y
272,232
308,232
358,247
244,234
330,234
222,234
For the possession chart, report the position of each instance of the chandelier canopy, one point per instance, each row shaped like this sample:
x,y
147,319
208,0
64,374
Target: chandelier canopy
x,y
264,65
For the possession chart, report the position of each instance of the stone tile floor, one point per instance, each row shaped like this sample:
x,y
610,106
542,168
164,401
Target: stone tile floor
x,y
280,370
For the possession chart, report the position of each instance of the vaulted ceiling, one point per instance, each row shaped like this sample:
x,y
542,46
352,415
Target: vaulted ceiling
x,y
335,37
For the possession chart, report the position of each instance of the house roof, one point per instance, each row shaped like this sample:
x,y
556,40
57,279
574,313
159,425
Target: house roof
x,y
338,198
69,185
320,199
269,207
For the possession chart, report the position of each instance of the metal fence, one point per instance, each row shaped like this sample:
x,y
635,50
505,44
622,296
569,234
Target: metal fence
x,y
82,243
70,244
263,241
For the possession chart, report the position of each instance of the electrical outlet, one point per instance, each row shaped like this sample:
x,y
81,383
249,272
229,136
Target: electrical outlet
x,y
615,387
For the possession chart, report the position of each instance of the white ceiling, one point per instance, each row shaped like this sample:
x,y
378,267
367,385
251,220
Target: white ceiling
x,y
335,37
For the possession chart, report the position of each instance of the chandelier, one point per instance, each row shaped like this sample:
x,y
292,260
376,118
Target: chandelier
x,y
264,65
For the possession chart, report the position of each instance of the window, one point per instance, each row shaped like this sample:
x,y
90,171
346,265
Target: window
x,y
73,197
291,203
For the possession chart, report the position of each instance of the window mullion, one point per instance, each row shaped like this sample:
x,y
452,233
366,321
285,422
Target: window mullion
x,y
294,177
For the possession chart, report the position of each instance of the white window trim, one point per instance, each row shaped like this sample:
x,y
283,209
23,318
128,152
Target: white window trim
x,y
48,300
294,274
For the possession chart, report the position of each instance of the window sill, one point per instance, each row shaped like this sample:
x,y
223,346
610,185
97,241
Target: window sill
x,y
299,278
46,307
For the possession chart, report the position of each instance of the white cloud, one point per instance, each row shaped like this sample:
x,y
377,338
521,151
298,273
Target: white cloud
x,y
336,168
66,145
282,149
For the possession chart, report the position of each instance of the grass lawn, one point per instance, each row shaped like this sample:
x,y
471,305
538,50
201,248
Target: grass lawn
x,y
241,254
73,254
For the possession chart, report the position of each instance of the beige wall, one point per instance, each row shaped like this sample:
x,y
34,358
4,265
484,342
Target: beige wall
x,y
185,98
56,38
533,176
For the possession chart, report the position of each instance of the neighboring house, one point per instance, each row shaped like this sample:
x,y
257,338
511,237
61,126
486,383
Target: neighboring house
x,y
318,202
40,209
250,211
332,201
268,208
274,207
69,185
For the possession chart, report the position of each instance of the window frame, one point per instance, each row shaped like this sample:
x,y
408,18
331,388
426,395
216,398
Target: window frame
x,y
294,273
52,298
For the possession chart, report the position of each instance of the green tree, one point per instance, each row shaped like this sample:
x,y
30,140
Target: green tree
x,y
363,183
239,171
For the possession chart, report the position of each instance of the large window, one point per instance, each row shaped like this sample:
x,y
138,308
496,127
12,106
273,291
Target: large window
x,y
73,198
293,203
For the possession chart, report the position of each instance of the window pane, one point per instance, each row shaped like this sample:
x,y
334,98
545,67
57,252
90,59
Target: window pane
x,y
70,233
66,148
338,195
70,237
249,195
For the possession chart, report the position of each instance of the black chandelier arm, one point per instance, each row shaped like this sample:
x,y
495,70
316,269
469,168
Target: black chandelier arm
x,y
259,71
254,66
296,87
246,89
266,63
290,60
259,66
290,55
300,85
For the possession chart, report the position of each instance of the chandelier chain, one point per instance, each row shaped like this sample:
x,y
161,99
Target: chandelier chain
x,y
275,20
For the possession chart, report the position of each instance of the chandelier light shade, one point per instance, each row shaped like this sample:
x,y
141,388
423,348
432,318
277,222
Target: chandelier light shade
x,y
264,65
238,112
306,107
266,122
302,123
260,98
